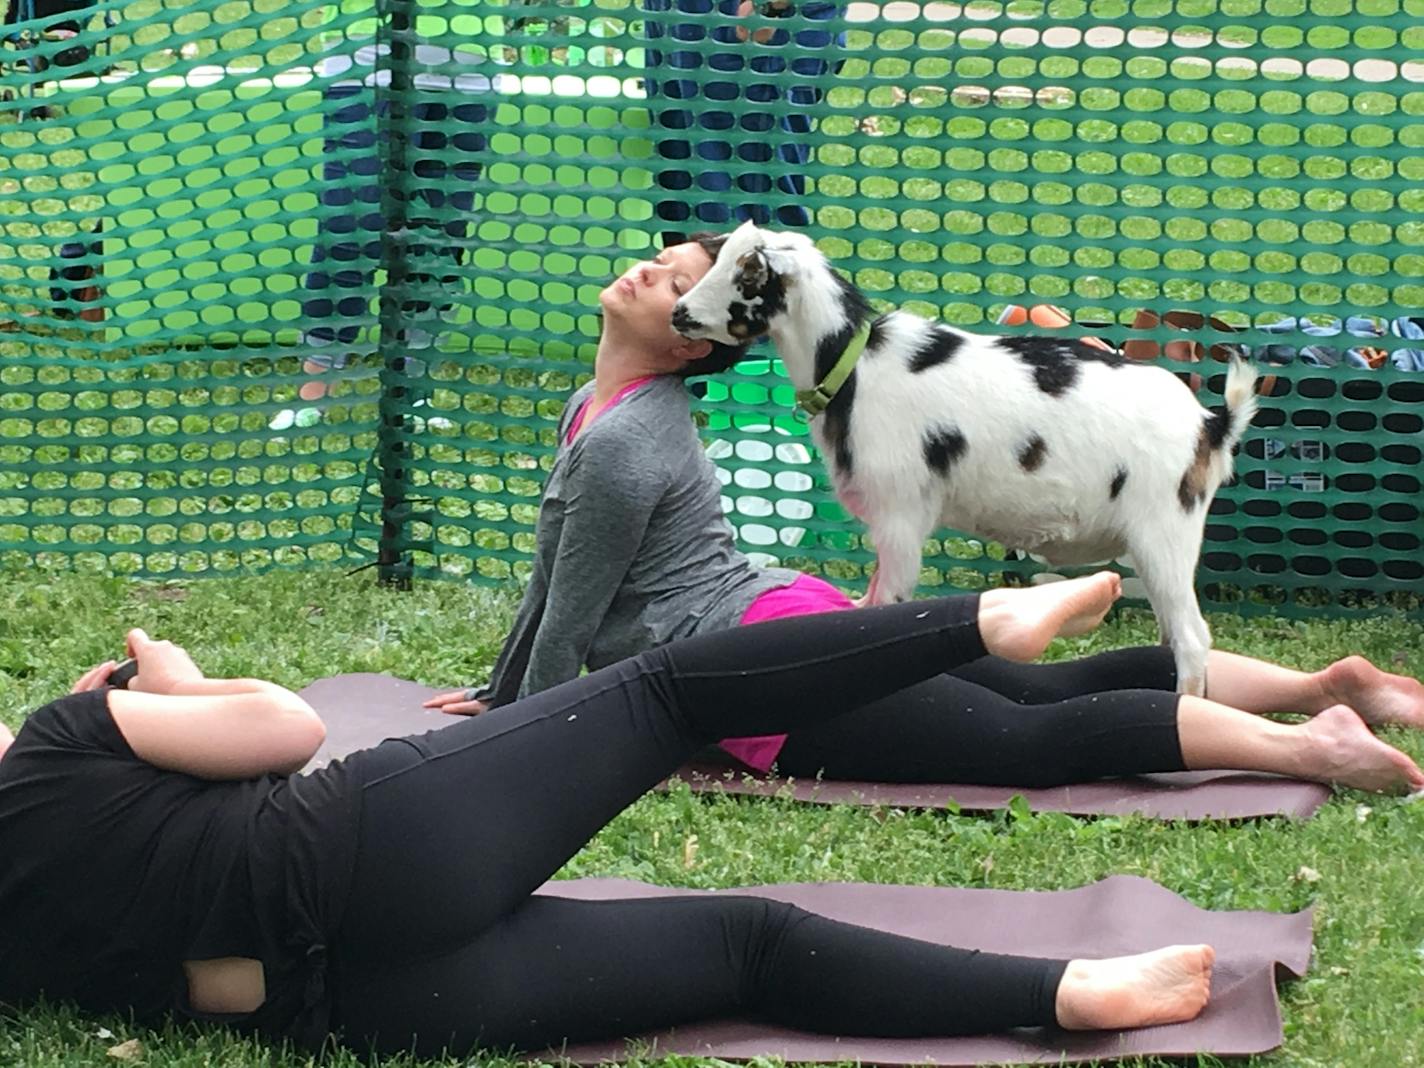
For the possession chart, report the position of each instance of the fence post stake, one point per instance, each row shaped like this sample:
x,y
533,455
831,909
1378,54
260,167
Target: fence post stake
x,y
394,49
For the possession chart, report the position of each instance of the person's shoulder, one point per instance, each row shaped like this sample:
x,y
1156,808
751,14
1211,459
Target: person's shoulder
x,y
661,399
633,441
575,401
579,395
66,708
650,419
75,721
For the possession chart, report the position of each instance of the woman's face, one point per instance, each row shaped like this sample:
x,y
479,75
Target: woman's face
x,y
640,301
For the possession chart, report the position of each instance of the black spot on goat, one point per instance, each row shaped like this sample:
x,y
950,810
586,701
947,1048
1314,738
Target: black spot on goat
x,y
1032,454
1055,361
943,448
1119,480
936,347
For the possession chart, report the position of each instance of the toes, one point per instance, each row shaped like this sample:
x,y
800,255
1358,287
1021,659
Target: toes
x,y
1413,774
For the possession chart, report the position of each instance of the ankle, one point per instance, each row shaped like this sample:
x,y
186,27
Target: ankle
x,y
994,602
1324,689
1003,632
1305,755
1074,988
1323,754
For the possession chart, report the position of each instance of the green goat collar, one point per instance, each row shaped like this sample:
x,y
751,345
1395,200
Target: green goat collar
x,y
814,401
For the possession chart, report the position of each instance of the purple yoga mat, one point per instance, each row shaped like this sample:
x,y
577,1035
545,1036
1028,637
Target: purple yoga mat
x,y
362,710
1122,914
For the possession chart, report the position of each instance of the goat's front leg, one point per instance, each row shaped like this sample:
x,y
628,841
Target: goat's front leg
x,y
869,596
899,545
1168,572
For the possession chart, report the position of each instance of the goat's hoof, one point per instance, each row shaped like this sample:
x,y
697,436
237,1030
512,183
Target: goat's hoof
x,y
1193,687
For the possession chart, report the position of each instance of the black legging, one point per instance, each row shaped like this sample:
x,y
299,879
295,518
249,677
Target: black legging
x,y
442,947
998,723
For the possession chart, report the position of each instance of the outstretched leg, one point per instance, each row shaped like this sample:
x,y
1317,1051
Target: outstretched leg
x,y
1334,747
468,820
558,971
947,729
950,730
1381,698
1143,667
1244,682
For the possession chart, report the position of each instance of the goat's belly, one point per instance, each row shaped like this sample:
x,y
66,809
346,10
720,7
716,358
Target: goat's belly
x,y
1079,552
1059,536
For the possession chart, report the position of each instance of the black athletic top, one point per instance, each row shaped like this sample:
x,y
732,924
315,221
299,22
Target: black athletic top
x,y
113,872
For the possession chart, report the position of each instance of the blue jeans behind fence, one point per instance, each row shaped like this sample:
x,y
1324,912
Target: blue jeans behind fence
x,y
354,237
1359,326
716,198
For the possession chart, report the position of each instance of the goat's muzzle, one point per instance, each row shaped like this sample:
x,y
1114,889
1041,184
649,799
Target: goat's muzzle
x,y
683,321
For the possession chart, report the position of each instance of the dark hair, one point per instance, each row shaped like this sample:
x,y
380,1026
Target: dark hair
x,y
723,357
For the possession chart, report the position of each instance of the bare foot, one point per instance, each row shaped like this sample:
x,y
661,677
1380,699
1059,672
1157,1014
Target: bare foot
x,y
1379,697
1018,624
1345,752
1165,986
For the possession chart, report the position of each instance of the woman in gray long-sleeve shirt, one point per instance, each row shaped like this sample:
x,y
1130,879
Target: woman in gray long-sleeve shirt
x,y
633,551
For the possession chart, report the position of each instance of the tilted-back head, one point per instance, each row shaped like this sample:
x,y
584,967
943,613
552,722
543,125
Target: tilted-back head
x,y
736,301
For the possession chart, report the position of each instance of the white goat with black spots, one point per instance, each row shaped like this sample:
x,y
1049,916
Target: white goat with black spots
x,y
1044,444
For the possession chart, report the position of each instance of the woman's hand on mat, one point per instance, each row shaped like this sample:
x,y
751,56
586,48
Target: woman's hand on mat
x,y
162,666
458,703
96,677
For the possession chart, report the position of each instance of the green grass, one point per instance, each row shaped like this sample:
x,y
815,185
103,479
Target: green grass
x,y
1361,1005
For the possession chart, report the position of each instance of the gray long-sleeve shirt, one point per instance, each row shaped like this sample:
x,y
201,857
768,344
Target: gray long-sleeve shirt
x,y
633,549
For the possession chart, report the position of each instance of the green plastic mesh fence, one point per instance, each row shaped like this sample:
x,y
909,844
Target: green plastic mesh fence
x,y
283,282
160,198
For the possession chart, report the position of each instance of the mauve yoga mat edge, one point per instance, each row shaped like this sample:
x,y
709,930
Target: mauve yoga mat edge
x,y
1205,795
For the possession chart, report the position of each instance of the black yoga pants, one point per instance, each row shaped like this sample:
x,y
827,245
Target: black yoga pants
x,y
441,946
997,723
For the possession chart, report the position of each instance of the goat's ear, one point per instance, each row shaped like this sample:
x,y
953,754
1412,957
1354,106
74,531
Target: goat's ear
x,y
779,262
752,271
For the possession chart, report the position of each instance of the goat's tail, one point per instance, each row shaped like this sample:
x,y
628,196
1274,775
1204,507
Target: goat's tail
x,y
1225,426
1240,399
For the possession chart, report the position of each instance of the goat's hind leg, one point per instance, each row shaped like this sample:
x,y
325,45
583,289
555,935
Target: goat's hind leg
x,y
1169,572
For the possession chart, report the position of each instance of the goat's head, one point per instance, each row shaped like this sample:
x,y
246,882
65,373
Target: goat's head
x,y
746,289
